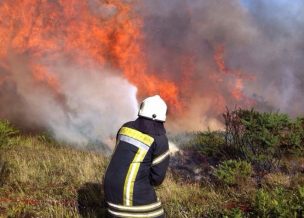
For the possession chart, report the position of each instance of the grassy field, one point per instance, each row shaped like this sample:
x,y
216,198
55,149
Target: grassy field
x,y
42,178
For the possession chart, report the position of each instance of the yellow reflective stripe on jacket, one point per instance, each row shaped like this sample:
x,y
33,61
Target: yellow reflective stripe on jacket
x,y
144,138
140,208
141,215
137,160
131,176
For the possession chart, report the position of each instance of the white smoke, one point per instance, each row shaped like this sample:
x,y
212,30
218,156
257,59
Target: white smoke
x,y
100,103
93,103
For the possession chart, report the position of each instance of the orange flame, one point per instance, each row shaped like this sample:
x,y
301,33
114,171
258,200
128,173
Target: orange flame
x,y
49,31
49,28
238,77
219,59
41,75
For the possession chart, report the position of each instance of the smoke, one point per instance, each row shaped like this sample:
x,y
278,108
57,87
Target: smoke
x,y
57,73
99,103
263,51
102,10
85,110
78,68
277,54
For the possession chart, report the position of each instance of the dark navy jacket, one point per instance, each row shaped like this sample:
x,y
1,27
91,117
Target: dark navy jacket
x,y
139,162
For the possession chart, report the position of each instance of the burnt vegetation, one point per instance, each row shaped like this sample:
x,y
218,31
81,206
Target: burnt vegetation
x,y
254,168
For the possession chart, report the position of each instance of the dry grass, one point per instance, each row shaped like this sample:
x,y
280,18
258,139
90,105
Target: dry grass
x,y
276,179
187,200
46,180
39,178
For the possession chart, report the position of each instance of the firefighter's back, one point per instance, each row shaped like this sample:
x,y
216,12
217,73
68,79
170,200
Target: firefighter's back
x,y
139,162
126,160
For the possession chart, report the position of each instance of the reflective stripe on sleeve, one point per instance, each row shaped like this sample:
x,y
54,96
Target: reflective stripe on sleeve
x,y
160,158
135,134
151,214
136,208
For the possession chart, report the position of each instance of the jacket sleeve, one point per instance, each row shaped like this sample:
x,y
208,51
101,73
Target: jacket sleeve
x,y
160,161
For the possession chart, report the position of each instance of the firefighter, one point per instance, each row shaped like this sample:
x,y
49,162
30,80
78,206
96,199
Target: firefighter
x,y
138,164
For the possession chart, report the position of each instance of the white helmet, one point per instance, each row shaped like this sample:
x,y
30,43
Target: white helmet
x,y
153,107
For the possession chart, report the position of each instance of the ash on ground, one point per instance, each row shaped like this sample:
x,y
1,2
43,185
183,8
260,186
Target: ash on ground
x,y
190,166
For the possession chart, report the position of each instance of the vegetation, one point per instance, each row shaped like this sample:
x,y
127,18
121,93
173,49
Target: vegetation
x,y
263,138
256,169
6,131
261,153
38,179
233,172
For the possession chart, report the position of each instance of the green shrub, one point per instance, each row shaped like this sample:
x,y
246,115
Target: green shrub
x,y
209,143
279,203
6,131
298,201
234,213
262,203
294,138
233,172
263,138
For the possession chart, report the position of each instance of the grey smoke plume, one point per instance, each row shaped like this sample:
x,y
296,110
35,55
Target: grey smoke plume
x,y
99,103
74,96
102,10
261,39
87,110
